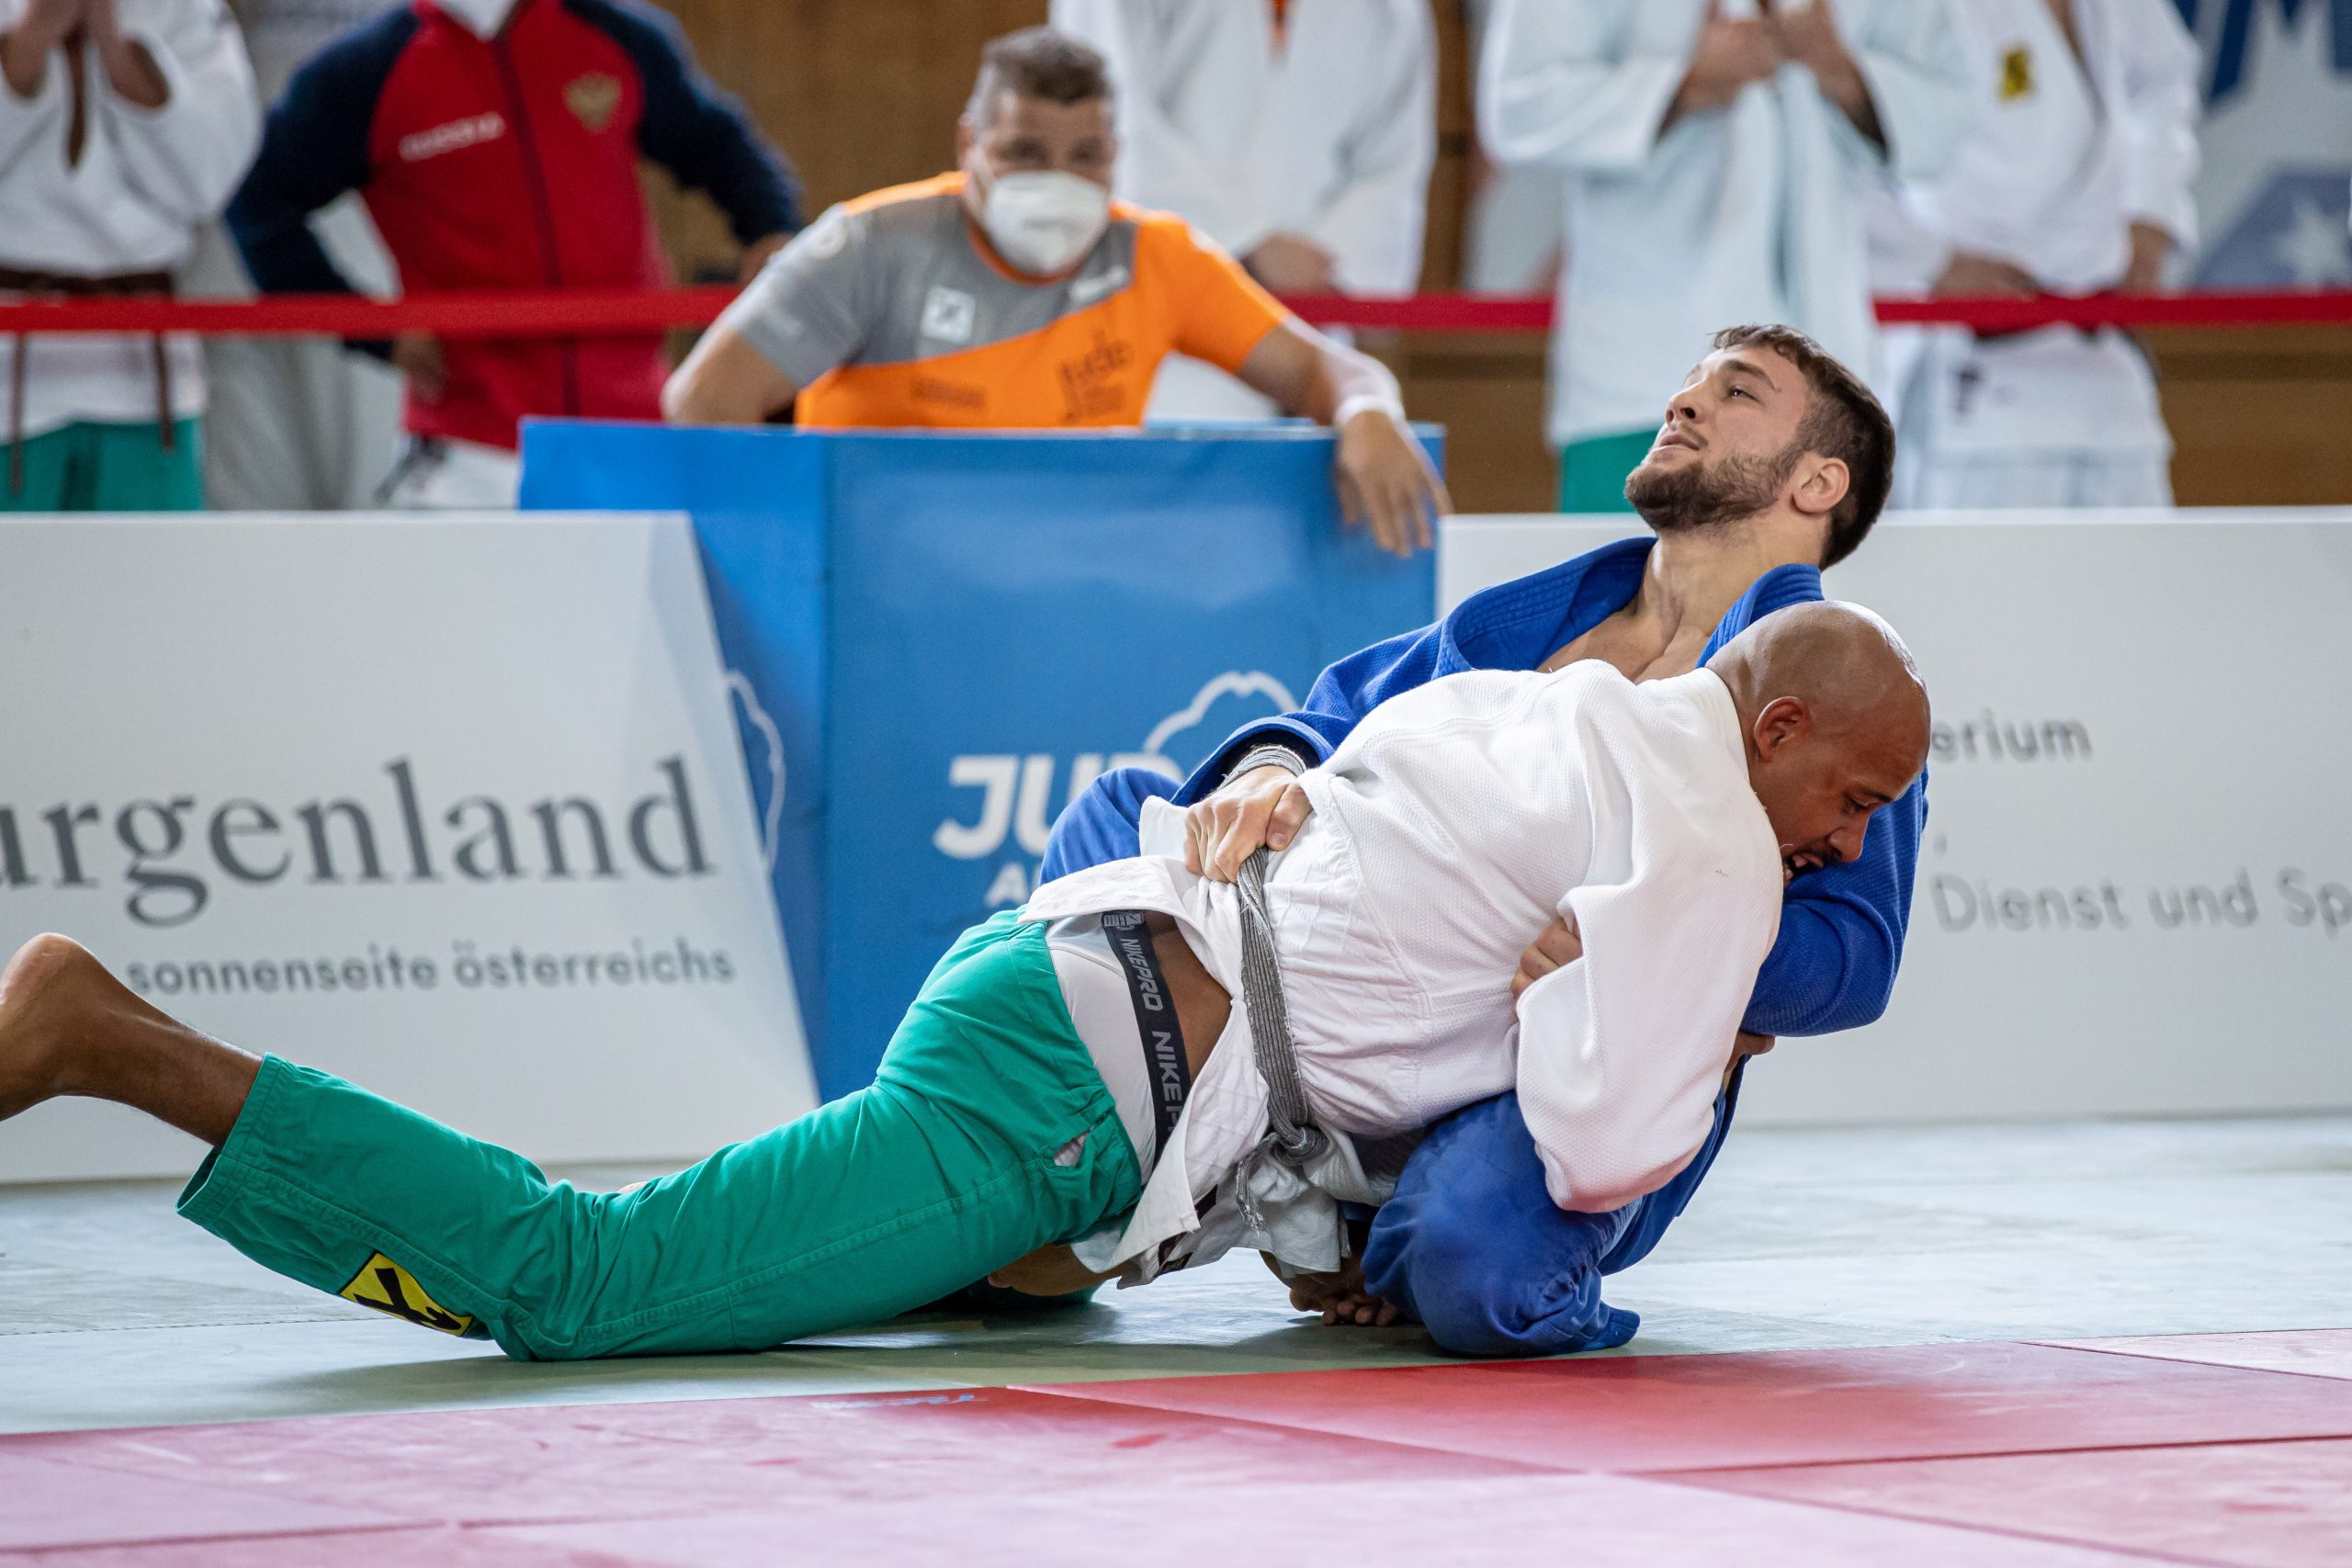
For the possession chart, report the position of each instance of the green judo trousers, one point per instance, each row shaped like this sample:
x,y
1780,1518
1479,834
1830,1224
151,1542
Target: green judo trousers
x,y
986,1134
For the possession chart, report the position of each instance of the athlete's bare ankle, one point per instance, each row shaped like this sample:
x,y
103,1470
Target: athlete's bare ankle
x,y
47,989
68,1027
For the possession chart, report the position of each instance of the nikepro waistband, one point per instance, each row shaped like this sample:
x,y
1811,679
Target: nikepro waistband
x,y
1169,1073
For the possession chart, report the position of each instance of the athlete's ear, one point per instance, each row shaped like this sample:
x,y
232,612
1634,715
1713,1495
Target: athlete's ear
x,y
1821,483
1781,721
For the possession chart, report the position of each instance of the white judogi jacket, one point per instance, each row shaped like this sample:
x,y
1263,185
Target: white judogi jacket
x,y
1328,134
1454,824
147,178
2065,153
1749,213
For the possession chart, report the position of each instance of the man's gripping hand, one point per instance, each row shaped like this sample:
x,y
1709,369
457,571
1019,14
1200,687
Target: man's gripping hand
x,y
1263,808
1558,947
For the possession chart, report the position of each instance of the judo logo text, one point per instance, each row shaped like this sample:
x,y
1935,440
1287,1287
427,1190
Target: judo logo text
x,y
1017,795
388,1288
1018,798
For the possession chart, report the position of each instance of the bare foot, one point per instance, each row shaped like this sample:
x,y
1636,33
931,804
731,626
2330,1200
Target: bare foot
x,y
48,980
68,1027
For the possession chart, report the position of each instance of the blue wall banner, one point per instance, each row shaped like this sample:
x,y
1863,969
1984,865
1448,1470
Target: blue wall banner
x,y
935,640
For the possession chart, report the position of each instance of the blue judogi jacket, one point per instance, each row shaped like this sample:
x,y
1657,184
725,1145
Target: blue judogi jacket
x,y
1471,1244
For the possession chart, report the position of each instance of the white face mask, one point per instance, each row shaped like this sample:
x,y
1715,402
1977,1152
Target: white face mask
x,y
480,17
1042,221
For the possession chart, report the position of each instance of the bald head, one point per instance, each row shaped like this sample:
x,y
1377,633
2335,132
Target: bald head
x,y
1836,720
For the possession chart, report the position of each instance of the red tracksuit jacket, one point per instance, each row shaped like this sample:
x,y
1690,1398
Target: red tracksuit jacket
x,y
509,163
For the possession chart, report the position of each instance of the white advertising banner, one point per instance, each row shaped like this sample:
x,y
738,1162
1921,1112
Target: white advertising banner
x,y
451,805
2135,892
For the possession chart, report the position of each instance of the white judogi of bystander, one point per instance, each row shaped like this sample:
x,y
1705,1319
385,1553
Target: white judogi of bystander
x,y
1749,213
2076,140
1324,127
1457,821
131,201
296,424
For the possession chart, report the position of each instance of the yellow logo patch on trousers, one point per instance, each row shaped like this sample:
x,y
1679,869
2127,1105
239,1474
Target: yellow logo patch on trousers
x,y
388,1288
2016,75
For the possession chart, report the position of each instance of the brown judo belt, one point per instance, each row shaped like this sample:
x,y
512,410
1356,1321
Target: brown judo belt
x,y
34,284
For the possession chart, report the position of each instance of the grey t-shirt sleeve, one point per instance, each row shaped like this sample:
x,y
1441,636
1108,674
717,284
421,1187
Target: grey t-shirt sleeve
x,y
808,310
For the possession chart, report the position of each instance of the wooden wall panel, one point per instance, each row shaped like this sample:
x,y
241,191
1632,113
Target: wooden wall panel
x,y
1449,202
858,93
1486,388
2260,416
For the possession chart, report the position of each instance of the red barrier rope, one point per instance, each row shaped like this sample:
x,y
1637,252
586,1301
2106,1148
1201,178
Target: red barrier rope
x,y
550,313
588,313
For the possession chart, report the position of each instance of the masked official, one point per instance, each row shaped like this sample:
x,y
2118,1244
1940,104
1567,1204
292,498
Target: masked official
x,y
1015,293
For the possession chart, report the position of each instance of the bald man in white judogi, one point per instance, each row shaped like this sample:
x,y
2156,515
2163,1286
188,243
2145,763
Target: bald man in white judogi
x,y
1458,820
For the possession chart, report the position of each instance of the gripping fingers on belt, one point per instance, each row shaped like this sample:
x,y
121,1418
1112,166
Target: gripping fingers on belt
x,y
1291,811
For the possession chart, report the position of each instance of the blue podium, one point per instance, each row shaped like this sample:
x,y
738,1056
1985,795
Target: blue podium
x,y
935,640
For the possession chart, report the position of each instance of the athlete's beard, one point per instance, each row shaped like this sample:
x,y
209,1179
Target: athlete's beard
x,y
1707,495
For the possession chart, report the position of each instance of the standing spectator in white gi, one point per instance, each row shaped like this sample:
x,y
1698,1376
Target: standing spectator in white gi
x,y
296,423
1717,153
2074,178
1297,134
1513,237
124,124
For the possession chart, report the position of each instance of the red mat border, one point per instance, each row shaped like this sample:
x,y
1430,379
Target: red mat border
x,y
1107,1392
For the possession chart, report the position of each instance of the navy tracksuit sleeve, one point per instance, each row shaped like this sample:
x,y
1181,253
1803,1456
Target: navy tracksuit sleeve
x,y
313,149
697,132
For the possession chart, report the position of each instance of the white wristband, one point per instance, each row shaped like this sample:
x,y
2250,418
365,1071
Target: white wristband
x,y
1367,403
1271,754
